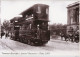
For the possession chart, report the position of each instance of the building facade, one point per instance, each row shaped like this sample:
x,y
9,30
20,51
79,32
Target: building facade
x,y
73,17
0,19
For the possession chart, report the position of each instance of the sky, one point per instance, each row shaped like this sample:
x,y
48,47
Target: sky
x,y
57,9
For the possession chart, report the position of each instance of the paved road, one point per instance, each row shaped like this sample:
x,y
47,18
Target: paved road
x,y
52,45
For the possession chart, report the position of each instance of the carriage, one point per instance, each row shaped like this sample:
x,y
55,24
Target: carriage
x,y
71,35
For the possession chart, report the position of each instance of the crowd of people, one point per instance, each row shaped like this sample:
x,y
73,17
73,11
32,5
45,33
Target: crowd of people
x,y
73,37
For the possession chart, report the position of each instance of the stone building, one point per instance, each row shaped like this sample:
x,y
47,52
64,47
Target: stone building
x,y
73,17
0,19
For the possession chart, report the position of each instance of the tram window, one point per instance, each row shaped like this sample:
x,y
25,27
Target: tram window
x,y
38,26
20,27
47,10
16,28
39,10
23,27
30,26
77,27
44,23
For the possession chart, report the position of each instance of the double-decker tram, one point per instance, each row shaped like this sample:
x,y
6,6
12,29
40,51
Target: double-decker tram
x,y
32,26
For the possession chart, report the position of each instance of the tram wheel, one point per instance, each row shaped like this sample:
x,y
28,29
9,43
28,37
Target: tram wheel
x,y
32,44
77,41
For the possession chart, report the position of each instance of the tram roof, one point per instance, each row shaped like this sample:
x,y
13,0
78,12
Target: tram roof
x,y
15,18
30,10
27,11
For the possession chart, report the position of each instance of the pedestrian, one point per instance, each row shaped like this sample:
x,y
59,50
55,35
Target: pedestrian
x,y
6,35
62,35
76,37
2,34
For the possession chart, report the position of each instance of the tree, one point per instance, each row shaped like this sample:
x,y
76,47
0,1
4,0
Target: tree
x,y
57,28
6,25
53,26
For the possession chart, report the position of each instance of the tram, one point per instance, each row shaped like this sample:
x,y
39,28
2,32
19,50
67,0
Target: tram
x,y
31,26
